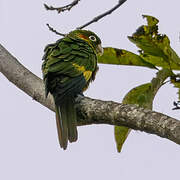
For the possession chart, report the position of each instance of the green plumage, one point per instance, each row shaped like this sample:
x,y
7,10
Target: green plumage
x,y
69,66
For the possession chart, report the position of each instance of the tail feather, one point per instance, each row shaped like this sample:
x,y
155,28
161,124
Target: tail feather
x,y
59,125
66,122
61,122
72,121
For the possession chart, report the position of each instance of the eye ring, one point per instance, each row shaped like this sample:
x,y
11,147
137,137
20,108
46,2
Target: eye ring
x,y
92,38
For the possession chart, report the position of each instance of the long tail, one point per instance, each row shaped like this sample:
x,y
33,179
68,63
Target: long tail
x,y
66,122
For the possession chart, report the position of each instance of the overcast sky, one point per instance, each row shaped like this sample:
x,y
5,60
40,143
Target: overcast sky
x,y
29,146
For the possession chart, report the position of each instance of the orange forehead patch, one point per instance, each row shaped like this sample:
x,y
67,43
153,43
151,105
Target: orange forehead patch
x,y
83,37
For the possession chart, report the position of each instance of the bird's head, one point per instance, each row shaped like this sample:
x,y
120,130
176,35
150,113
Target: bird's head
x,y
91,38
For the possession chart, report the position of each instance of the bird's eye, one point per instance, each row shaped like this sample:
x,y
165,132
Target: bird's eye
x,y
92,38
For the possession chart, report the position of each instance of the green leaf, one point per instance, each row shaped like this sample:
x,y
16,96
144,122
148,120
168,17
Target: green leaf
x,y
151,21
143,96
155,46
120,133
122,57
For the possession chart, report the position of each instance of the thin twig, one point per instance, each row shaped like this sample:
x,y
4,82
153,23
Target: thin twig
x,y
102,15
56,32
63,8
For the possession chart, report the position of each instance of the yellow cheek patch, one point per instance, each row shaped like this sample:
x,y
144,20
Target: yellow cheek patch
x,y
87,75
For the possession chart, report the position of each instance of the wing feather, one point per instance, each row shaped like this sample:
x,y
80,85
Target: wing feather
x,y
65,60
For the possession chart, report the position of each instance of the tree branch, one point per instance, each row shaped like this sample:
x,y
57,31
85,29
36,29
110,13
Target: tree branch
x,y
63,8
54,31
91,111
97,18
75,2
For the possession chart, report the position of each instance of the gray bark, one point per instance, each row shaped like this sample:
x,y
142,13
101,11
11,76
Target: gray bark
x,y
92,111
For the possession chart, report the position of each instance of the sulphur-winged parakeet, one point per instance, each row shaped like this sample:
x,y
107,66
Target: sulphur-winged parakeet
x,y
69,65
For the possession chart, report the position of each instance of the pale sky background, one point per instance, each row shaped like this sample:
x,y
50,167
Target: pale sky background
x,y
29,148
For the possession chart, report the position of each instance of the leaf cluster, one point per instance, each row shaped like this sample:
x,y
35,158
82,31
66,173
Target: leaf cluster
x,y
154,52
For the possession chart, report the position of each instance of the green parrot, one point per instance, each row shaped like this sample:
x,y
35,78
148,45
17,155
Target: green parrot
x,y
69,65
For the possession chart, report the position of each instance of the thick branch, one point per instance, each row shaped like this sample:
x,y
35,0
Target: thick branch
x,y
91,111
23,78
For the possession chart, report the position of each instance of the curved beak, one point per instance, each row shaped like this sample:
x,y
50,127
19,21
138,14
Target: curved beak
x,y
99,49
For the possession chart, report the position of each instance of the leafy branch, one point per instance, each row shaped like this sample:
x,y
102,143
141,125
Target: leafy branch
x,y
154,50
